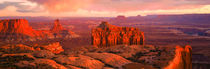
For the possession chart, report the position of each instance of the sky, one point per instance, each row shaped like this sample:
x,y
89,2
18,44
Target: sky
x,y
101,8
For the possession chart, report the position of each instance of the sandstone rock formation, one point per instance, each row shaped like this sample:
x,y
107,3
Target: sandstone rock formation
x,y
137,66
53,47
39,64
20,48
139,56
81,61
109,35
110,59
60,32
43,54
19,30
182,59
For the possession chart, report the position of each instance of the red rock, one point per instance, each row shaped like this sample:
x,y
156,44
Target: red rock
x,y
110,59
53,47
182,59
60,32
19,30
80,61
137,66
8,59
19,48
14,29
39,64
108,35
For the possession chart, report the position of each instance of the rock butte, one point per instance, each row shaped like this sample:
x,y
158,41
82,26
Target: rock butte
x,y
182,59
19,30
109,35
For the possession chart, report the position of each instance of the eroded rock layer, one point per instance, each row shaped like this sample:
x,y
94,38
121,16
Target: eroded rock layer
x,y
19,30
109,35
182,59
115,57
60,32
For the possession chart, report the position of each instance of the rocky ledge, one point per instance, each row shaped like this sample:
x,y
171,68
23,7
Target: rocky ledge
x,y
115,57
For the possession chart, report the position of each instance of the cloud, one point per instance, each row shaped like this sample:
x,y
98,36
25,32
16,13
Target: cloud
x,y
62,5
20,7
103,7
136,5
118,5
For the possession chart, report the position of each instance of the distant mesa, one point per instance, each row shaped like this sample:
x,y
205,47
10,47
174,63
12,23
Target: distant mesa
x,y
121,17
109,35
19,30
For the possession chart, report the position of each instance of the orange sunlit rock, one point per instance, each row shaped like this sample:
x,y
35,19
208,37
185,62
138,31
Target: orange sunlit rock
x,y
19,30
19,48
53,47
14,29
108,35
58,31
182,59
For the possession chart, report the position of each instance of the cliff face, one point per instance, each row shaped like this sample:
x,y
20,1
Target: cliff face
x,y
108,35
182,59
19,30
14,29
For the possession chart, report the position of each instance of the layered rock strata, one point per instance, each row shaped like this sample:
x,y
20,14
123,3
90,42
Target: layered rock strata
x,y
19,30
115,57
109,35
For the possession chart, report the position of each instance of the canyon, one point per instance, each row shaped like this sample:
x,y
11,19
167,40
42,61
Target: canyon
x,y
113,47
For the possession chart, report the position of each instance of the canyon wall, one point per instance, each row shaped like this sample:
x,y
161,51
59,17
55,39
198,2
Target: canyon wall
x,y
182,58
108,35
19,30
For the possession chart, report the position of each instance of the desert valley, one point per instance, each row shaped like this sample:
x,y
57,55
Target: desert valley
x,y
135,42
